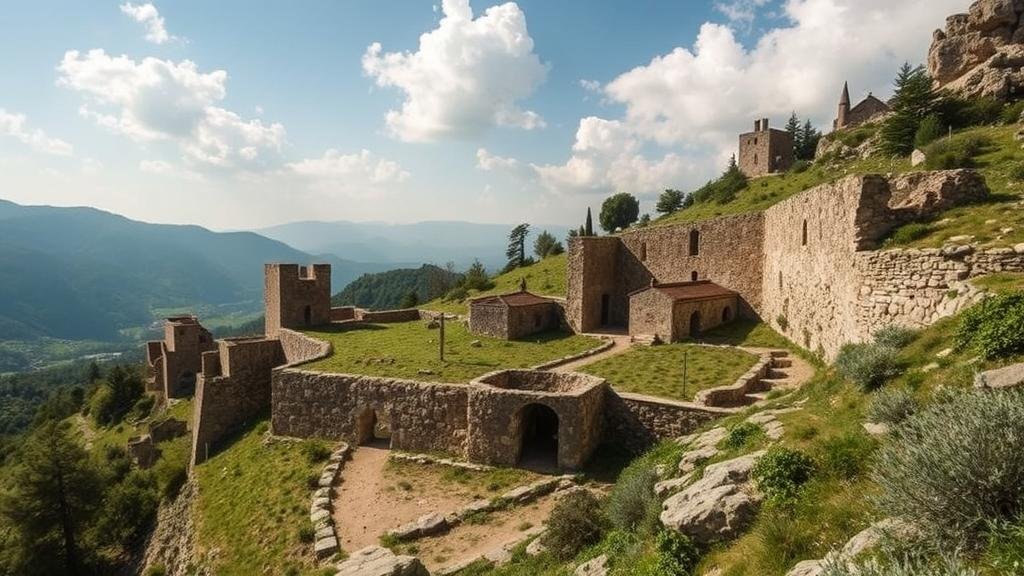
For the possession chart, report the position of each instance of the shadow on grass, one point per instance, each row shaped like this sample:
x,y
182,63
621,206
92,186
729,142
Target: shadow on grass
x,y
339,328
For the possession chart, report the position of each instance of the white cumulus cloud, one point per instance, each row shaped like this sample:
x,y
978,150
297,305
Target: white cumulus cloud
x,y
16,126
466,76
362,173
154,99
147,15
487,161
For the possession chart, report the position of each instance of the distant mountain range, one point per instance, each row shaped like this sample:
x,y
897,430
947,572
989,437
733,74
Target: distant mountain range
x,y
82,273
428,242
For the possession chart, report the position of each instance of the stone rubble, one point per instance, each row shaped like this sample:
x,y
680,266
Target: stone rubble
x,y
379,561
325,540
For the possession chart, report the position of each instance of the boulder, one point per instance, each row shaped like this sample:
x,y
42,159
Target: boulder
x,y
917,157
596,567
807,568
719,505
1005,377
426,525
981,53
379,561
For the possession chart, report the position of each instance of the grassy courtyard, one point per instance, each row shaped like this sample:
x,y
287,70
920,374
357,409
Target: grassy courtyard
x,y
658,370
403,350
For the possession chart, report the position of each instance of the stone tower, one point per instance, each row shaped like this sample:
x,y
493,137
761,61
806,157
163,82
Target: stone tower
x,y
844,108
765,150
296,296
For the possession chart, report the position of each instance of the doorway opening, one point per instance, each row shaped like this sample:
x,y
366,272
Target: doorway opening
x,y
695,324
371,430
539,438
606,304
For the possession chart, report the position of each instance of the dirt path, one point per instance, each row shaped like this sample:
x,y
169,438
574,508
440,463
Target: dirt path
x,y
621,343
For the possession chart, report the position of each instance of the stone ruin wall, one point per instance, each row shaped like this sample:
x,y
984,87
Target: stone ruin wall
x,y
289,289
635,422
423,417
388,316
590,272
711,311
233,390
496,410
915,288
489,321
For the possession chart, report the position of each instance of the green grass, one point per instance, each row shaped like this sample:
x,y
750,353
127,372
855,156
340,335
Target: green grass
x,y
401,350
762,193
747,333
546,277
658,370
1001,283
252,500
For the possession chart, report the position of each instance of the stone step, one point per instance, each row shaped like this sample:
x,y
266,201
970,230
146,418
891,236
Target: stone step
x,y
781,363
779,353
773,374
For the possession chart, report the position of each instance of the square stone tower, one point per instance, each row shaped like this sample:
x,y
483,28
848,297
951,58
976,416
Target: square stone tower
x,y
296,296
765,150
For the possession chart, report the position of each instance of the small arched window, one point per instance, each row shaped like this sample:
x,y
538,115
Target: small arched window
x,y
803,237
694,242
693,276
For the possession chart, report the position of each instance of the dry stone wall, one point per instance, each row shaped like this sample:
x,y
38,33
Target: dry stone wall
x,y
636,422
423,417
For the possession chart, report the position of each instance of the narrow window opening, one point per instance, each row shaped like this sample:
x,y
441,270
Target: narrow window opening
x,y
643,251
803,239
693,276
694,242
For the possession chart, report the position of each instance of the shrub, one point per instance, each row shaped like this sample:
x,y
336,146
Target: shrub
x,y
928,131
846,456
170,475
677,555
575,523
992,327
742,433
955,153
315,452
457,294
632,505
1012,112
867,365
156,570
800,166
956,467
781,472
894,336
891,406
143,406
306,534
129,508
891,564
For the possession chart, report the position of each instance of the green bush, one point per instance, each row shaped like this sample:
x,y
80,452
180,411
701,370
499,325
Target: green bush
x,y
632,505
171,475
677,555
129,509
930,130
723,190
955,468
846,456
1017,172
993,327
800,166
856,136
143,406
740,434
867,365
1012,112
893,564
894,336
575,522
156,570
781,472
306,534
315,452
955,153
457,294
891,406
112,399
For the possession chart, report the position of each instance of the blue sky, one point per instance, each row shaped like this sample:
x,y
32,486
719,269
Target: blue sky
x,y
240,115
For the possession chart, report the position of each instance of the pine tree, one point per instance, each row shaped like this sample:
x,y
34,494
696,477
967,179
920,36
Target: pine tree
x,y
793,127
913,101
809,137
54,492
516,252
547,245
669,201
588,230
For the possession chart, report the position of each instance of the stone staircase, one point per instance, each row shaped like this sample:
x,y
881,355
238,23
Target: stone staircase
x,y
777,376
775,370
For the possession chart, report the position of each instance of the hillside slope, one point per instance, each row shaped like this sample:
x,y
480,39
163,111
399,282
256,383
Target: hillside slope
x,y
387,290
546,277
82,273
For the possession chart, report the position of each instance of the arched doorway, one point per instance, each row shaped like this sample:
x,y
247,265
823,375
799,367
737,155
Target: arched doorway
x,y
695,324
371,430
307,315
538,429
726,314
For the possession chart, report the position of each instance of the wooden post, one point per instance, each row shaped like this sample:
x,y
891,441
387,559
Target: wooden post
x,y
441,339
686,357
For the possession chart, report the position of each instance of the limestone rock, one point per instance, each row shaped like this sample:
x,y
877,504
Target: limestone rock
x,y
917,157
378,561
325,547
596,567
1005,377
1019,248
719,505
876,429
980,53
536,547
426,525
666,487
807,568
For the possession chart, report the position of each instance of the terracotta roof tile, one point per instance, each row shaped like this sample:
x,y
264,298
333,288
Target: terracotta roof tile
x,y
701,290
522,298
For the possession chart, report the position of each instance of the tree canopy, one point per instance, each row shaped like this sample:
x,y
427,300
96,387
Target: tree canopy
x,y
619,211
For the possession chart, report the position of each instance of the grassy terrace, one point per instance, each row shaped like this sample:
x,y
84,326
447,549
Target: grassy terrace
x,y
252,501
546,278
402,350
658,370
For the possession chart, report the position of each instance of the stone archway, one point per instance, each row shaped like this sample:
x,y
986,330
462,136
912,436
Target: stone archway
x,y
372,430
695,324
538,437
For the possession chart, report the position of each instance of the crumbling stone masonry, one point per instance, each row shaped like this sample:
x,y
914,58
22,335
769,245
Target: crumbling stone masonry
x,y
175,361
512,316
765,150
296,296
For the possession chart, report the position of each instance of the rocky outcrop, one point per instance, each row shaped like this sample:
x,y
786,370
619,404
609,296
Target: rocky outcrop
x,y
378,561
719,505
1011,376
871,537
596,567
981,53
